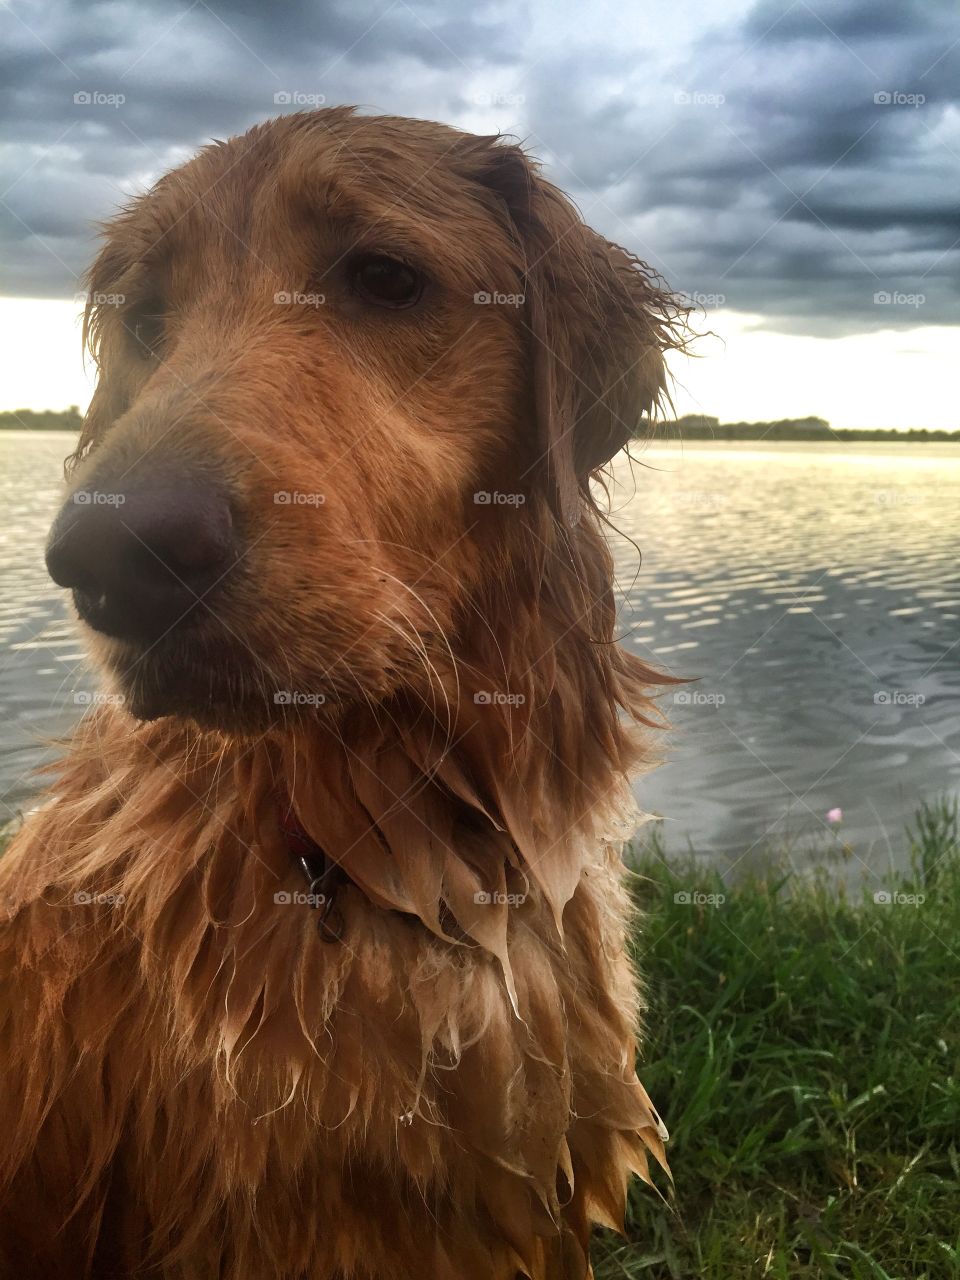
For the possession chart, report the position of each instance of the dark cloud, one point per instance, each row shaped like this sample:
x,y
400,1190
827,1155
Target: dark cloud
x,y
794,162
793,167
855,20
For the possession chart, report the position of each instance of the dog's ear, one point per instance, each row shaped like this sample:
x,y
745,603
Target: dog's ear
x,y
599,322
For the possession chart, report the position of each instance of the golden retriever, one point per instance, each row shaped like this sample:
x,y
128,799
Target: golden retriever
x,y
314,957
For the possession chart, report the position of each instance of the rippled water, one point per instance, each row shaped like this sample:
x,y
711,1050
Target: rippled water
x,y
813,594
40,657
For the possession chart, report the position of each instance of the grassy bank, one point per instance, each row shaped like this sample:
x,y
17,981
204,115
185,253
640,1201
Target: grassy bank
x,y
804,1050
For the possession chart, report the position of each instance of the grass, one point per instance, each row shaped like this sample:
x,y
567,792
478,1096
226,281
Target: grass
x,y
804,1050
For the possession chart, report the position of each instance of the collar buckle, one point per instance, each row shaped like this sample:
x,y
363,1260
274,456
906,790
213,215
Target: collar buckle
x,y
322,873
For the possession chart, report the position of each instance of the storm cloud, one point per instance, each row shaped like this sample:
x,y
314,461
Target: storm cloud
x,y
795,161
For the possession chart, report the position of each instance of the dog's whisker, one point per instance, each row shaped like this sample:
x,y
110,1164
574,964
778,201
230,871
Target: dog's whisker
x,y
441,632
473,609
433,679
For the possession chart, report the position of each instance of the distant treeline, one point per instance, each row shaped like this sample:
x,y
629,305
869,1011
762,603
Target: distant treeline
x,y
41,419
693,426
696,426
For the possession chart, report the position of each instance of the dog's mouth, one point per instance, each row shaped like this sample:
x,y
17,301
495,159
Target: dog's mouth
x,y
215,682
209,672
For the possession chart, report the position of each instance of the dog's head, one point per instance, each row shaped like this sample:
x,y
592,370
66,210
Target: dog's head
x,y
353,373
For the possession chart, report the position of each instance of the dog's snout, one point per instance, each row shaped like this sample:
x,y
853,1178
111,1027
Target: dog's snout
x,y
141,559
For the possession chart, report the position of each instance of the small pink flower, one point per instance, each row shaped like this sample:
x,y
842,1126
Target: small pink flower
x,y
834,815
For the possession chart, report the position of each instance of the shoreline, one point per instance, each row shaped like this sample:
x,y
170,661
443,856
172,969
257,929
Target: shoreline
x,y
835,439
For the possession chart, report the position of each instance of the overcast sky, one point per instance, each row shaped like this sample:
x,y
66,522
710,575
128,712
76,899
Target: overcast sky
x,y
790,165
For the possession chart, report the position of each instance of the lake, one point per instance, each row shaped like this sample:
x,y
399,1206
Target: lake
x,y
809,593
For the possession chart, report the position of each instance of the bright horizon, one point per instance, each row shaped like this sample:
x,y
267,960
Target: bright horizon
x,y
896,379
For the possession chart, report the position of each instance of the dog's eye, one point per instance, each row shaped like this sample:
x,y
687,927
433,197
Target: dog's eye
x,y
147,328
386,282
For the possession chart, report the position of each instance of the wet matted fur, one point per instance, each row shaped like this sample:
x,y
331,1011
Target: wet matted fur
x,y
195,1084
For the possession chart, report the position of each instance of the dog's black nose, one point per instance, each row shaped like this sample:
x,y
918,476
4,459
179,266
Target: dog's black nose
x,y
141,559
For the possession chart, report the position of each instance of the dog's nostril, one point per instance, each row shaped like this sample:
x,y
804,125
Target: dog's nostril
x,y
140,560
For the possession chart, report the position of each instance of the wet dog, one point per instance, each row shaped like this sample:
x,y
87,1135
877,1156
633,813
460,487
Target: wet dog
x,y
314,958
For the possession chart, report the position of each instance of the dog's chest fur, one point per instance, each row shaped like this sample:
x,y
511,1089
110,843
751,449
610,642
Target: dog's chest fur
x,y
226,1093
